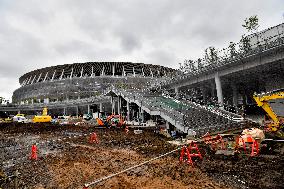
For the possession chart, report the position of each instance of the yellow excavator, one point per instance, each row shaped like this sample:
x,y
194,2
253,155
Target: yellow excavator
x,y
44,118
277,122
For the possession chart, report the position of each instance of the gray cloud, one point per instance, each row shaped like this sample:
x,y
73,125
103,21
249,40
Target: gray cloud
x,y
36,34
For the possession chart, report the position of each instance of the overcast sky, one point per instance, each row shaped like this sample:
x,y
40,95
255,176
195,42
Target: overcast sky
x,y
40,33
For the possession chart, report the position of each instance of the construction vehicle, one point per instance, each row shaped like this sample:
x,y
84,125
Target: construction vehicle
x,y
111,121
44,118
275,124
20,118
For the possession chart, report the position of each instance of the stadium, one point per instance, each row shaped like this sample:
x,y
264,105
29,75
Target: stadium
x,y
84,80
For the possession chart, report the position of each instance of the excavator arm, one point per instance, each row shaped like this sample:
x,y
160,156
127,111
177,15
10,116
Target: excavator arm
x,y
262,101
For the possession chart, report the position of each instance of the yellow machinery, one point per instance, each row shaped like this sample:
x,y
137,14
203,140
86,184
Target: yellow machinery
x,y
44,118
262,101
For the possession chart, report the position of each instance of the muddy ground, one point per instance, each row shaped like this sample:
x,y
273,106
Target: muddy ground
x,y
68,160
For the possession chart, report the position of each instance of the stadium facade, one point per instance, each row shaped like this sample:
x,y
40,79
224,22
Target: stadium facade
x,y
84,80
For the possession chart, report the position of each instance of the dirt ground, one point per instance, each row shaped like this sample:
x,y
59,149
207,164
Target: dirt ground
x,y
68,160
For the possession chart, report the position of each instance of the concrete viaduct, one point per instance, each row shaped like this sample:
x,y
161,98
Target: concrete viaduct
x,y
235,81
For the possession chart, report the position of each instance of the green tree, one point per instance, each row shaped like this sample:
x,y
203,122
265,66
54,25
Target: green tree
x,y
211,55
251,23
232,49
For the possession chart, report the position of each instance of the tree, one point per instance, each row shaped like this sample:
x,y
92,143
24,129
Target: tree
x,y
232,49
245,45
251,23
211,55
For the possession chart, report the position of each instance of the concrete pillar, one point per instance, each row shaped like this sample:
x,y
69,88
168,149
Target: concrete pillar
x,y
112,105
235,94
32,101
133,71
53,75
113,70
88,108
71,75
128,111
82,71
77,110
101,110
45,76
46,101
62,74
219,90
119,105
203,91
177,92
123,72
64,111
142,115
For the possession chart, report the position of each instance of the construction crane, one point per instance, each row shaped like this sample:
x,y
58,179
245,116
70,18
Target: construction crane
x,y
262,101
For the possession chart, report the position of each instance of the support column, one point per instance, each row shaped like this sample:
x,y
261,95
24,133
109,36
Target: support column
x,y
88,109
77,110
64,111
203,91
112,105
128,111
219,90
113,70
235,94
32,101
142,115
119,105
101,110
177,92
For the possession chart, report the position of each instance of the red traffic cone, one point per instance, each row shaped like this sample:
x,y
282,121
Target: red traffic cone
x,y
34,153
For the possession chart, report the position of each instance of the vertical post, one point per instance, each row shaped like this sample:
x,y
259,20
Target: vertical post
x,y
123,72
119,105
77,110
103,71
113,70
219,90
53,75
82,70
88,108
133,71
33,79
151,73
177,92
101,107
112,105
203,91
39,77
71,75
128,111
61,75
64,111
143,72
29,80
45,76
